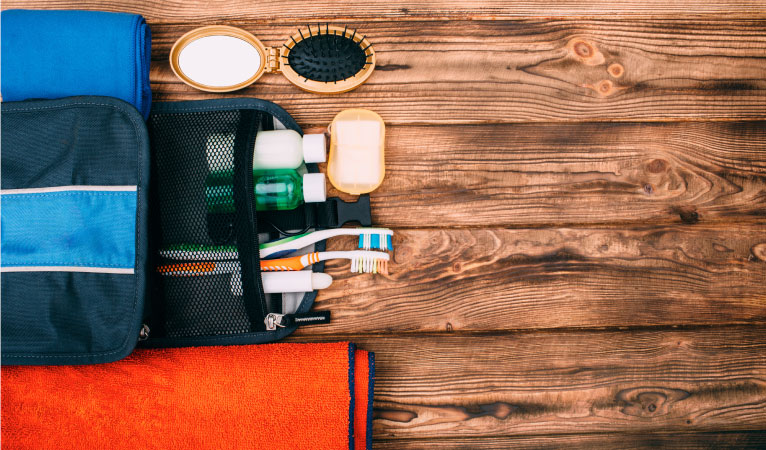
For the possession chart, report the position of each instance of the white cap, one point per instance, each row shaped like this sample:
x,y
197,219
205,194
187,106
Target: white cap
x,y
314,148
320,280
314,188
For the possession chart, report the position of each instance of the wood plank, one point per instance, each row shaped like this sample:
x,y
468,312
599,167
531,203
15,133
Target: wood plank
x,y
645,441
541,383
481,280
526,70
293,10
541,174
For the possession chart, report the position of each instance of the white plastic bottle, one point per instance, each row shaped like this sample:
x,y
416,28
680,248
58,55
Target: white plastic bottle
x,y
286,149
284,282
294,281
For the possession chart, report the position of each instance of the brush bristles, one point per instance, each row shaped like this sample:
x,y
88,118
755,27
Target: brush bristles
x,y
327,57
377,241
369,265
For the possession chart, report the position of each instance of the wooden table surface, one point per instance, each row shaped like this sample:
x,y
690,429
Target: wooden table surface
x,y
579,197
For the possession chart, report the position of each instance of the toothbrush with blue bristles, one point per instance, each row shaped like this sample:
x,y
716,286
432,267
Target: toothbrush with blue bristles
x,y
369,239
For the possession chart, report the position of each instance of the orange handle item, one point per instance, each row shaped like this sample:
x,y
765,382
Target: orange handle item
x,y
197,268
292,263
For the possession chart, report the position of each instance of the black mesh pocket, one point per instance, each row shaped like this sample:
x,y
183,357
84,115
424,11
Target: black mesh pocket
x,y
204,306
207,277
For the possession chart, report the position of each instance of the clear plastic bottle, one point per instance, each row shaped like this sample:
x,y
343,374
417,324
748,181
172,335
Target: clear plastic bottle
x,y
277,189
274,149
286,149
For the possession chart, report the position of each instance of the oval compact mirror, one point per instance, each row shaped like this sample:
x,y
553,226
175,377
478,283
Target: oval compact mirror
x,y
322,59
218,58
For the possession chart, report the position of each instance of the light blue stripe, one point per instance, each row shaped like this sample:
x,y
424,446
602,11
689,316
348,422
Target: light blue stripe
x,y
73,228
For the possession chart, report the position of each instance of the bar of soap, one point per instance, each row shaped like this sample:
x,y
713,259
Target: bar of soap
x,y
356,164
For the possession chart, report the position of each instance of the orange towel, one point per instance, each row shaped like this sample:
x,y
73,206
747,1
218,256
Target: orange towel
x,y
281,396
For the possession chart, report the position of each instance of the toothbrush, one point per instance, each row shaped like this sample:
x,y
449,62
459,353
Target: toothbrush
x,y
369,238
199,268
361,261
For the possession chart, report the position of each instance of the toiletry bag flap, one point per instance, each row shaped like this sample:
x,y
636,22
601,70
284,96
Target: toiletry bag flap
x,y
74,227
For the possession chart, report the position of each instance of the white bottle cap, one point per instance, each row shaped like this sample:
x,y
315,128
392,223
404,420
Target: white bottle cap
x,y
314,148
314,189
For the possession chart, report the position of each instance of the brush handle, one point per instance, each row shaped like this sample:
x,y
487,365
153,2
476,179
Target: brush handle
x,y
193,269
313,237
292,263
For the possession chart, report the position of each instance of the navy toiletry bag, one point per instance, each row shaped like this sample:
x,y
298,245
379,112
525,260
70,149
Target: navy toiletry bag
x,y
74,226
92,199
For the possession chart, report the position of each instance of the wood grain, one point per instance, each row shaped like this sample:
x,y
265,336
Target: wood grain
x,y
520,71
381,10
487,280
542,174
541,313
527,384
623,441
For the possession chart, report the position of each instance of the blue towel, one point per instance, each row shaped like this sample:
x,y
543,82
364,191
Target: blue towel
x,y
54,54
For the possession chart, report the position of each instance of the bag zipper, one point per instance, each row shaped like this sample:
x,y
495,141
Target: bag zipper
x,y
143,333
274,320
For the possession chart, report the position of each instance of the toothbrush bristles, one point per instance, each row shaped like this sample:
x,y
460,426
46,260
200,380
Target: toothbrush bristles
x,y
377,241
369,265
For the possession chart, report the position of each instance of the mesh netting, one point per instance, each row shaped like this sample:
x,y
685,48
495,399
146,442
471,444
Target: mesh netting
x,y
197,253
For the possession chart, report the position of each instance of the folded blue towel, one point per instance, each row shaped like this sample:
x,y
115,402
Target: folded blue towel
x,y
54,54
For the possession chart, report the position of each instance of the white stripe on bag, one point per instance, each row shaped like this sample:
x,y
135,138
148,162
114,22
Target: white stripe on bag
x,y
69,189
129,271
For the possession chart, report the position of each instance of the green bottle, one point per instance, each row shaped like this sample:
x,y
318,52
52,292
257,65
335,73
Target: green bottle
x,y
275,189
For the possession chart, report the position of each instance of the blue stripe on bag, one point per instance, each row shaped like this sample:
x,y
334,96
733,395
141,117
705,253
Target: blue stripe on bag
x,y
75,228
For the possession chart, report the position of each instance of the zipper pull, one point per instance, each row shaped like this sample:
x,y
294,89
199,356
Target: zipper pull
x,y
274,321
143,334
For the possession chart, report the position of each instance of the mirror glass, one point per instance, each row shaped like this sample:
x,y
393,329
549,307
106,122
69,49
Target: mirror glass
x,y
219,61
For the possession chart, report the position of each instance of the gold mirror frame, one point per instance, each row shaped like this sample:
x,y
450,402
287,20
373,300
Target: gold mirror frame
x,y
216,30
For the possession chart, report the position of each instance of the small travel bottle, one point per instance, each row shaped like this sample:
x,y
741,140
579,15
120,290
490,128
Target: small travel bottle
x,y
274,149
278,189
286,149
283,189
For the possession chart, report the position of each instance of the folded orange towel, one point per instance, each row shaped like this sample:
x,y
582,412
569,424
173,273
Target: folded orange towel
x,y
281,396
